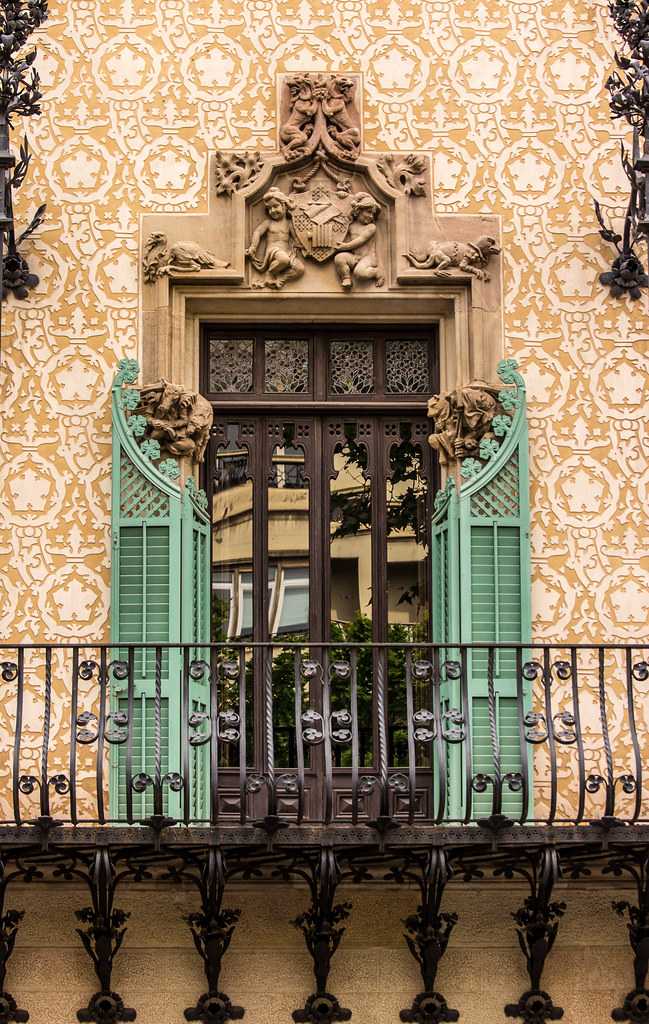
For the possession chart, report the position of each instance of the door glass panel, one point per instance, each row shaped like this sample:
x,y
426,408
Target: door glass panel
x,y
288,579
287,366
232,579
407,569
351,367
230,365
407,367
350,532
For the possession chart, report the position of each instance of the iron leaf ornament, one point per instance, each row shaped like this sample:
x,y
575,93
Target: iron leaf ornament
x,y
628,88
19,97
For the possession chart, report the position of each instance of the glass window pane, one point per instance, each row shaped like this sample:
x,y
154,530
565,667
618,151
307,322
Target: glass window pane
x,y
230,365
406,367
351,367
287,366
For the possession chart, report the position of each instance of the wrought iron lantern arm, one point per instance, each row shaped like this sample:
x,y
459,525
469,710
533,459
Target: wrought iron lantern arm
x,y
19,97
628,88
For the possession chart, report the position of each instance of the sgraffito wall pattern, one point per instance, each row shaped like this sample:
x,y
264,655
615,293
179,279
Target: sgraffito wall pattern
x,y
509,98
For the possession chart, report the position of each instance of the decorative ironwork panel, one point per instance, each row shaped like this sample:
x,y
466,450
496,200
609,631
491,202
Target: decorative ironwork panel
x,y
406,367
351,367
287,366
500,496
230,365
139,499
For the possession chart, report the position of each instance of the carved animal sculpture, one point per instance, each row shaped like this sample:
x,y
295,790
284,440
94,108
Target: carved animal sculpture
x,y
335,105
469,257
160,258
296,131
179,419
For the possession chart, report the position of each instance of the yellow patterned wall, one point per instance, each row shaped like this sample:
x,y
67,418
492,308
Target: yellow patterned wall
x,y
508,96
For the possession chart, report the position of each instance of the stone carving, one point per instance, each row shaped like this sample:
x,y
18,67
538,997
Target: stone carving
x,y
179,420
319,112
317,223
463,419
280,260
160,258
469,257
234,171
357,259
404,172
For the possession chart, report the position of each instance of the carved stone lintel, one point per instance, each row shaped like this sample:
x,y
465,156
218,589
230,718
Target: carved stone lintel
x,y
233,171
178,420
468,257
319,110
162,259
405,173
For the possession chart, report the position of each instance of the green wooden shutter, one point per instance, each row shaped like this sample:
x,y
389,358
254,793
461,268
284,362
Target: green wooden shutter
x,y
481,540
196,592
159,594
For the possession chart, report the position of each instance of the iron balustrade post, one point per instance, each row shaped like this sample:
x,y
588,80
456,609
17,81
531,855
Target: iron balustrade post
x,y
212,929
427,934
9,922
635,1007
537,926
102,938
322,930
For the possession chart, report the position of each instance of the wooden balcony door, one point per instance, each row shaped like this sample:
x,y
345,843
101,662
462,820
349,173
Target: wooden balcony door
x,y
320,478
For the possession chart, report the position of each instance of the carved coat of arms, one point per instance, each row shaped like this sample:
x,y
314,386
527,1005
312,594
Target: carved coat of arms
x,y
321,221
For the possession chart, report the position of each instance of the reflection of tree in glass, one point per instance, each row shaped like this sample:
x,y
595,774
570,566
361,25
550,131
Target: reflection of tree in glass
x,y
351,510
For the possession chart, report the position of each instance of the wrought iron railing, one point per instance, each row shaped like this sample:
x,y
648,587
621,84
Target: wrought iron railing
x,y
336,733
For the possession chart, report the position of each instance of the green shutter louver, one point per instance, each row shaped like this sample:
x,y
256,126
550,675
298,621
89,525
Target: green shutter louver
x,y
481,592
159,594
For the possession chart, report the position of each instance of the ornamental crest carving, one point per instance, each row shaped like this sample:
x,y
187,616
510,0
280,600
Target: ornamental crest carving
x,y
321,220
319,111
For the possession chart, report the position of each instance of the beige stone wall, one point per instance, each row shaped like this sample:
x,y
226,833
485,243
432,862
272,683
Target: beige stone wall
x,y
268,970
509,99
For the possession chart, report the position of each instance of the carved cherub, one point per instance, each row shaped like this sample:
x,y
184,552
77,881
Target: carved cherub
x,y
356,258
470,257
178,419
160,258
280,261
462,419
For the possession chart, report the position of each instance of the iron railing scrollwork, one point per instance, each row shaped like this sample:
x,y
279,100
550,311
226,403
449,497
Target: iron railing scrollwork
x,y
381,734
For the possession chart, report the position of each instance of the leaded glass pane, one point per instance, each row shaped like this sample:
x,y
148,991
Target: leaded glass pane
x,y
351,367
230,369
287,366
406,367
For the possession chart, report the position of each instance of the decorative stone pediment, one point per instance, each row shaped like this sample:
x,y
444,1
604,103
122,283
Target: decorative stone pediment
x,y
319,214
320,218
